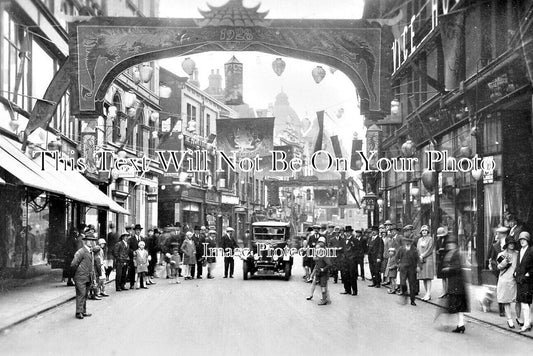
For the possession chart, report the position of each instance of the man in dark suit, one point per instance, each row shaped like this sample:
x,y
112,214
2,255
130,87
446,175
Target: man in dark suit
x,y
337,242
408,233
121,252
514,228
198,238
133,245
83,263
348,266
228,242
407,259
359,250
375,254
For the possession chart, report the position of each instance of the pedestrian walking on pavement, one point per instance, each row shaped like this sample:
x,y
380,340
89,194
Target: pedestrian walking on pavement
x,y
198,238
506,288
457,302
112,239
83,263
524,279
440,246
426,263
323,264
121,255
228,245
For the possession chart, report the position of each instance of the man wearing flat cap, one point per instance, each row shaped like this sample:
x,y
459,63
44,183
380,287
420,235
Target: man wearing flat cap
x,y
228,242
84,276
375,254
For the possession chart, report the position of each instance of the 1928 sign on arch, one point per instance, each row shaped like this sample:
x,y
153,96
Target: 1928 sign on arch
x,y
102,47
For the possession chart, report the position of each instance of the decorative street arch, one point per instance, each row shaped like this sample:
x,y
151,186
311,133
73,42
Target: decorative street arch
x,y
102,47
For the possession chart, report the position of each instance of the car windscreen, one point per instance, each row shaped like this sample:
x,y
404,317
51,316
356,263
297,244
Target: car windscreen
x,y
269,233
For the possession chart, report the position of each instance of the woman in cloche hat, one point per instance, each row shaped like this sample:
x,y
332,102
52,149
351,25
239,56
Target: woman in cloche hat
x,y
425,248
457,293
524,279
506,288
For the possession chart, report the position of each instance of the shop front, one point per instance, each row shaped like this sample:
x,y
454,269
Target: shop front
x,y
191,207
40,207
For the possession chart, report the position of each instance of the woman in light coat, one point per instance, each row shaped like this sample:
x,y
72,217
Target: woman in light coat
x,y
506,288
426,246
189,254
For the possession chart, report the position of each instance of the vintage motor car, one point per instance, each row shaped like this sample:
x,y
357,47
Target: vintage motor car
x,y
269,250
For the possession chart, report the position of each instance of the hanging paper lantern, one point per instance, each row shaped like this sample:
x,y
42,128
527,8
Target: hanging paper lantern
x,y
164,91
131,112
146,72
112,112
428,179
332,70
54,145
14,124
340,113
477,174
408,149
188,66
318,74
136,75
451,162
278,66
154,116
121,154
415,191
129,99
465,151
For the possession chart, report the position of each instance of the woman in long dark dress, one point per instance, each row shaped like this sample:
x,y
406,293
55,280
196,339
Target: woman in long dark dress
x,y
524,279
440,243
457,295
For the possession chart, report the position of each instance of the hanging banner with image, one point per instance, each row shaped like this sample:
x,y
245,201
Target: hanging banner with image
x,y
248,137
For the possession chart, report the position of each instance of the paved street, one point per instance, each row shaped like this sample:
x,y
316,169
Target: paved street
x,y
231,316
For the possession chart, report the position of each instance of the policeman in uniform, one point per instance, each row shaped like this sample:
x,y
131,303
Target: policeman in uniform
x,y
83,263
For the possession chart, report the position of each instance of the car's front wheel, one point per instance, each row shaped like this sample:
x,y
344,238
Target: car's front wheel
x,y
287,271
245,270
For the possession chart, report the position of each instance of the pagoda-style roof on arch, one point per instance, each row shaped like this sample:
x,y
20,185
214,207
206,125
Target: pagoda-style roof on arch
x,y
234,14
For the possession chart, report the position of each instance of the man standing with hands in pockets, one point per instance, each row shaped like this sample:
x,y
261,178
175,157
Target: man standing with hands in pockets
x,y
83,263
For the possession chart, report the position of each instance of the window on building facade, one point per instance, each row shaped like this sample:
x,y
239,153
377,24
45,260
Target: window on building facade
x,y
492,135
207,125
191,117
15,58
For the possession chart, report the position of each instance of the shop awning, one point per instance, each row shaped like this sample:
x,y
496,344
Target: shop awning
x,y
71,184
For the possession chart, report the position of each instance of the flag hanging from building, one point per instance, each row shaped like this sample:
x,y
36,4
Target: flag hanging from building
x,y
336,146
247,137
452,30
357,145
320,118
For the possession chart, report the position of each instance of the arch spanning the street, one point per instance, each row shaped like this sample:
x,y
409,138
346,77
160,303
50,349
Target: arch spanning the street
x,y
102,47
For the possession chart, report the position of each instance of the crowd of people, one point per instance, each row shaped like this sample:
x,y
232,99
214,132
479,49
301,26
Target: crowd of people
x,y
397,258
134,257
511,260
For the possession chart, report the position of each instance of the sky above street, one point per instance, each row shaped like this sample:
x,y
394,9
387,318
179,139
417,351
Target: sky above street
x,y
335,94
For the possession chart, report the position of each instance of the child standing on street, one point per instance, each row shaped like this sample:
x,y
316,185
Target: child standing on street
x,y
140,261
175,264
392,269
